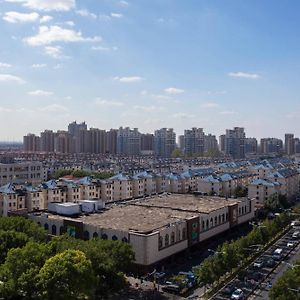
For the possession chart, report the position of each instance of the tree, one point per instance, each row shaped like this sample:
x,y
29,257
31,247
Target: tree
x,y
60,173
11,239
67,275
240,191
276,202
287,285
19,224
176,153
20,270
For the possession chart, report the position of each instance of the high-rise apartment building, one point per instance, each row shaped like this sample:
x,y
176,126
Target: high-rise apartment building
x,y
194,141
98,140
164,142
235,142
79,141
47,141
251,145
181,142
271,145
289,144
111,141
222,139
128,141
63,142
147,142
31,142
210,143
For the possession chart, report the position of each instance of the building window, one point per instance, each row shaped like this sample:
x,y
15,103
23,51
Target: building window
x,y
183,234
53,230
61,230
172,237
211,222
160,242
223,218
114,238
203,225
86,235
125,239
216,220
104,236
167,240
95,235
46,226
207,224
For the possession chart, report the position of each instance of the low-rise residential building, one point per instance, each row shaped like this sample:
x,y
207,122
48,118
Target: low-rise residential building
x,y
21,172
11,199
262,189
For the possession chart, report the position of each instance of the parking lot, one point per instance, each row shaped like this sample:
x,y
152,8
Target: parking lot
x,y
257,275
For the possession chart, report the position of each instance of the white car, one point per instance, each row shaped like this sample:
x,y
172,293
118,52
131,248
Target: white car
x,y
237,294
290,244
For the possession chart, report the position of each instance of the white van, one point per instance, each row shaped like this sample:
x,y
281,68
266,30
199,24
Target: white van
x,y
277,254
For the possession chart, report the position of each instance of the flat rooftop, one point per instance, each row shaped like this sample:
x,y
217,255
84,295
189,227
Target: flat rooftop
x,y
187,202
150,214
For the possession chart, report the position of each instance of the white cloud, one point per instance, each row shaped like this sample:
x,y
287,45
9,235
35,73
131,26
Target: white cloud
x,y
40,93
148,109
45,19
123,3
86,13
104,17
100,48
116,15
53,108
173,91
47,5
183,115
103,102
70,23
129,79
227,112
244,75
54,52
38,66
209,105
11,78
4,65
16,17
48,35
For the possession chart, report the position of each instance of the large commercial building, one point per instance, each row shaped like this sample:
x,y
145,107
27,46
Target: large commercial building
x,y
156,227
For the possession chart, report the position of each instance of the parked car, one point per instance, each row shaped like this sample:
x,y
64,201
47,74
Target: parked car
x,y
228,289
258,264
296,235
237,294
290,244
270,263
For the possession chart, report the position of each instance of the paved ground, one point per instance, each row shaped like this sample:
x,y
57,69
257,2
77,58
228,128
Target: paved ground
x,y
262,293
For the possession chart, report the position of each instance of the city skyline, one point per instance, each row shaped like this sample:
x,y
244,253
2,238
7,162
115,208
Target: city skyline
x,y
149,65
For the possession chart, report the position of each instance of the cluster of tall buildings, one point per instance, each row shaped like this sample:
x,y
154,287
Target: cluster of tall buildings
x,y
162,143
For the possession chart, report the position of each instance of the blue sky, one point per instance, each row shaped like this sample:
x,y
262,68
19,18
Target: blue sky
x,y
150,64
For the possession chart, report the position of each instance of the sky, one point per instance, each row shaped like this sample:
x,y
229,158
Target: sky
x,y
150,64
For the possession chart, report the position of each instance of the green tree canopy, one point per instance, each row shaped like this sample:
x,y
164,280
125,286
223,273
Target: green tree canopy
x,y
11,239
67,275
19,273
20,224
